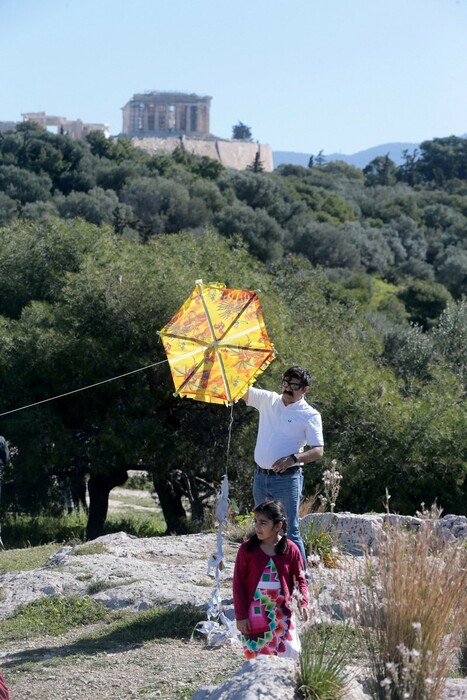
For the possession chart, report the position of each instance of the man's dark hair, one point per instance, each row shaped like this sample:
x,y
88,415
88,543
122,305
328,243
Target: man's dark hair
x,y
300,373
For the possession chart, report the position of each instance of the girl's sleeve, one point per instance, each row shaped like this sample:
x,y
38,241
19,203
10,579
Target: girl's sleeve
x,y
299,575
4,694
240,584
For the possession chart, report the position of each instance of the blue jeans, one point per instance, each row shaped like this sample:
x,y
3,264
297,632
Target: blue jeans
x,y
286,488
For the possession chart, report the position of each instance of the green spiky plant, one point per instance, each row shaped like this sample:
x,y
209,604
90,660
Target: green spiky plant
x,y
322,671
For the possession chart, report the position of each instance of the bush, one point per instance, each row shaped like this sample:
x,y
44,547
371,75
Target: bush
x,y
322,672
412,604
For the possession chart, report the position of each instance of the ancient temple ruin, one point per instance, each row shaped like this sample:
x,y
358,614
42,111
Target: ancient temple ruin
x,y
167,114
74,128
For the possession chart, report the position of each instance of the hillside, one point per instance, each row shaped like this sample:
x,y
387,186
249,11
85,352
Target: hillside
x,y
363,277
358,160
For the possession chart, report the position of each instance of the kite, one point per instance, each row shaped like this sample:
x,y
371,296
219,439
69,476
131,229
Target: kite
x,y
217,344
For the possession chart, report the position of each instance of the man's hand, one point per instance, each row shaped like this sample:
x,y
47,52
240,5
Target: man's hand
x,y
243,626
282,464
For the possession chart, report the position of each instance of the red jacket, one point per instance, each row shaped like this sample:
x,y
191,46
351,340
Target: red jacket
x,y
249,567
4,695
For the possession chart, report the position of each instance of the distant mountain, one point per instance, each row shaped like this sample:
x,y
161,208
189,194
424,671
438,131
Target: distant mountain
x,y
359,160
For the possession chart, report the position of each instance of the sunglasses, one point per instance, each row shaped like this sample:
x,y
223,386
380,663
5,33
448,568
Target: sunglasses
x,y
295,386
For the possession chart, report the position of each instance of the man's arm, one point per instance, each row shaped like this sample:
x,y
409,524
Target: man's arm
x,y
310,455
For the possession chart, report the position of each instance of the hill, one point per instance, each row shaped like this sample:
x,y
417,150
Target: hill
x,y
359,159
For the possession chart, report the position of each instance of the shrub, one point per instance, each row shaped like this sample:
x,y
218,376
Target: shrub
x,y
320,545
322,671
412,605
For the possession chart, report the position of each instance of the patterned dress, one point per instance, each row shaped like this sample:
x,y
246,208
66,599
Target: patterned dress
x,y
272,623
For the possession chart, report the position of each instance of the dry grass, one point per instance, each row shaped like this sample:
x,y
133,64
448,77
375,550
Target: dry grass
x,y
412,605
311,504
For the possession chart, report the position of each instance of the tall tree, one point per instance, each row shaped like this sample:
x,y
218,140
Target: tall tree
x,y
257,166
241,132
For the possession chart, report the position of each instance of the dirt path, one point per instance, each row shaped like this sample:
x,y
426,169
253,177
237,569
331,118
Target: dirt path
x,y
60,668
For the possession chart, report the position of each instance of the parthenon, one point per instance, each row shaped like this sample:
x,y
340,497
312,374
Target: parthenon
x,y
166,114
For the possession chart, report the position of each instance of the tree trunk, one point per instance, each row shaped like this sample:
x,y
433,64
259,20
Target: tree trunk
x,y
170,499
99,487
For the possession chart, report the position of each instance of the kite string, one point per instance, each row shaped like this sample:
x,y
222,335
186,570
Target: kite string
x,y
83,388
229,437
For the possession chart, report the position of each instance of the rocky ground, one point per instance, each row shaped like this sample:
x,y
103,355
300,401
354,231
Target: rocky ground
x,y
137,574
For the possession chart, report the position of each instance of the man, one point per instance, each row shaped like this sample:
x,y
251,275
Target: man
x,y
287,425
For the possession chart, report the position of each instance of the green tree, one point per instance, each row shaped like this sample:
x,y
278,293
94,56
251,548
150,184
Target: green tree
x,y
450,337
425,302
23,186
36,257
103,321
380,171
320,158
8,208
257,166
452,270
96,206
261,232
408,171
443,159
241,132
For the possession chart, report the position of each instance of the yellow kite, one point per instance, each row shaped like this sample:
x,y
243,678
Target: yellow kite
x,y
217,343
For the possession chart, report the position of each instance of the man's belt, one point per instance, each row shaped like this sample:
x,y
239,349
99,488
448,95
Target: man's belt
x,y
290,470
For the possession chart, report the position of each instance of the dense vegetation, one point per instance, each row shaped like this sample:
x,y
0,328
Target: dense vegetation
x,y
362,277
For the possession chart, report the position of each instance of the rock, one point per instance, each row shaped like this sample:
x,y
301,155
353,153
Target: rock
x,y
130,573
267,677
359,533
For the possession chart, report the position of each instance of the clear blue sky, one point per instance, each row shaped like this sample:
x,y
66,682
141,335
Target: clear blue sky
x,y
305,75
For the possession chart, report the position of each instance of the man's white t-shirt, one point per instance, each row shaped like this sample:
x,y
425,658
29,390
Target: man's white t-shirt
x,y
283,430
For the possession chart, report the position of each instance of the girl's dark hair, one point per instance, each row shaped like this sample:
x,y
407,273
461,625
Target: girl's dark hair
x,y
273,510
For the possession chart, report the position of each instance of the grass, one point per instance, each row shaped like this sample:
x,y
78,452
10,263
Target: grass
x,y
105,585
176,622
462,653
22,531
25,559
412,603
52,615
90,549
125,500
136,523
141,482
326,650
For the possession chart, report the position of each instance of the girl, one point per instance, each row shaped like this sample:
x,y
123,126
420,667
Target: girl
x,y
267,569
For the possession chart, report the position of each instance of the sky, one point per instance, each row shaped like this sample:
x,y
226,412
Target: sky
x,y
305,75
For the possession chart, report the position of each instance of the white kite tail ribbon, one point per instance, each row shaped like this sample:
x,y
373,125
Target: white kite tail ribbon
x,y
218,633
222,503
